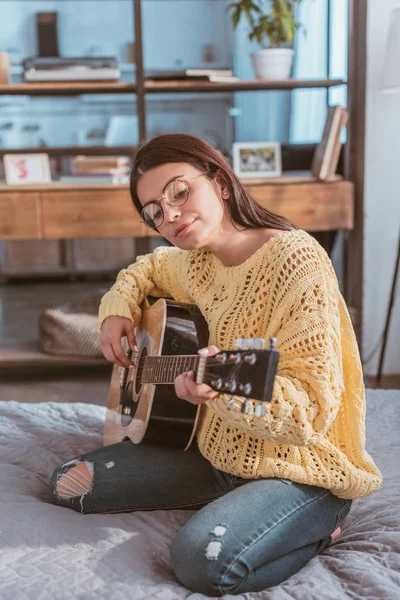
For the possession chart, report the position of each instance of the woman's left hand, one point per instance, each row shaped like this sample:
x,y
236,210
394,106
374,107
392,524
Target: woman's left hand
x,y
186,387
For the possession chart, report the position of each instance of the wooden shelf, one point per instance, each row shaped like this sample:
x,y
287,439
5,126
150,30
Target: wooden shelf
x,y
27,353
65,211
67,88
288,177
161,87
72,150
56,186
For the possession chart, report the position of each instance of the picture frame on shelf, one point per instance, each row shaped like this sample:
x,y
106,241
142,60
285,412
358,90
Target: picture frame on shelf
x,y
27,169
257,159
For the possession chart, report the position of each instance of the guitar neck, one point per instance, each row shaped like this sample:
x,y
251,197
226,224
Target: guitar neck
x,y
165,369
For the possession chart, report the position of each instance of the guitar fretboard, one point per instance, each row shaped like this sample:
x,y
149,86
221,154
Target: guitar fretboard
x,y
164,369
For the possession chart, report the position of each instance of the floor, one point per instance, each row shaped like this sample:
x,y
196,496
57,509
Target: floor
x,y
20,307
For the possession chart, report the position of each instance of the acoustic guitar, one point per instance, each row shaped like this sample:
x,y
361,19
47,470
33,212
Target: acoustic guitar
x,y
142,404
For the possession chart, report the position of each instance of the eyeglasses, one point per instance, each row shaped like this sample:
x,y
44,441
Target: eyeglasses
x,y
175,194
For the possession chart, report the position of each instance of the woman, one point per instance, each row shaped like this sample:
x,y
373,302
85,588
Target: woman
x,y
272,490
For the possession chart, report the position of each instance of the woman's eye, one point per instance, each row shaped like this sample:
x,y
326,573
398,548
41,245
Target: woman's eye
x,y
180,194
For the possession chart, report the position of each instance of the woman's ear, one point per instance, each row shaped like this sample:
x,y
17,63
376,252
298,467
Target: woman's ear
x,y
222,183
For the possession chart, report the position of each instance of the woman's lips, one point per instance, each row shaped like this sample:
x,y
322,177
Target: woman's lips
x,y
184,230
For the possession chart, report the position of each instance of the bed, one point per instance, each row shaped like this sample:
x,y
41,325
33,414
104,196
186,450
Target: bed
x,y
48,552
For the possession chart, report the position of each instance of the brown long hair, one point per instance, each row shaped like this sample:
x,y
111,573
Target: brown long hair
x,y
179,147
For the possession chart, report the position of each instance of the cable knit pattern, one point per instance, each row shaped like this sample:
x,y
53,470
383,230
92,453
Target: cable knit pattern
x,y
314,428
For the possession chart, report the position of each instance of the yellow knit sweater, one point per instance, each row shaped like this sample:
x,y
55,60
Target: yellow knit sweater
x,y
314,428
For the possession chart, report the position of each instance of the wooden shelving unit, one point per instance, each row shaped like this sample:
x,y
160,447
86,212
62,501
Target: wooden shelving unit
x,y
354,150
60,211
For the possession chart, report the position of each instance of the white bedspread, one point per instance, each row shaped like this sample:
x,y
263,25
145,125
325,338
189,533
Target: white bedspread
x,y
52,553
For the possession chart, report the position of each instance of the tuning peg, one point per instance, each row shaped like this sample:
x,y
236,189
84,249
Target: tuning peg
x,y
231,402
242,343
257,343
236,357
254,343
247,389
245,408
250,358
218,383
272,343
231,386
260,410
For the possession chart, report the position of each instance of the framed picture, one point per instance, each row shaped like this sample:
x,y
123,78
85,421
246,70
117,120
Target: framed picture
x,y
27,169
257,159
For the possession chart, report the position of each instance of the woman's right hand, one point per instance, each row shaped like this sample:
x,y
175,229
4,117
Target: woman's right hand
x,y
112,331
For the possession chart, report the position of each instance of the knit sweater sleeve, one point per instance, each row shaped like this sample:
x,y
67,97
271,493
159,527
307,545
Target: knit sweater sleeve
x,y
309,382
157,274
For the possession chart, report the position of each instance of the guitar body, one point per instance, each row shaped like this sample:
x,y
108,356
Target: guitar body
x,y
152,413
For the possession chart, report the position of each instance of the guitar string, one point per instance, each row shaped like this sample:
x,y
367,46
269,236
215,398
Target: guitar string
x,y
223,379
141,367
185,356
210,362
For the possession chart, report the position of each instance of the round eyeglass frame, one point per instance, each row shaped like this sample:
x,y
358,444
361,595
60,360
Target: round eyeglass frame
x,y
158,202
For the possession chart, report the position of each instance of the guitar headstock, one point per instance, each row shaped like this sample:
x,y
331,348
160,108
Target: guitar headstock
x,y
248,373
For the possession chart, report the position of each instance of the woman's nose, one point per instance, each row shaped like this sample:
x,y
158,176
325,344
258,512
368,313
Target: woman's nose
x,y
170,211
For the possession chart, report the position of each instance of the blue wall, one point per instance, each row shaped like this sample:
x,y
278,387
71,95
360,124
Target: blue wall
x,y
177,34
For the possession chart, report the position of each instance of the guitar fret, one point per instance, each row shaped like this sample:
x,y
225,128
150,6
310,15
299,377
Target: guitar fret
x,y
179,367
165,368
166,372
176,361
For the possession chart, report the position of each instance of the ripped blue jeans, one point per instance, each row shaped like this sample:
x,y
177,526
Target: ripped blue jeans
x,y
246,536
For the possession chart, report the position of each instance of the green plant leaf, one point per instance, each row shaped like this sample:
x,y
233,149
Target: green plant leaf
x,y
236,18
278,26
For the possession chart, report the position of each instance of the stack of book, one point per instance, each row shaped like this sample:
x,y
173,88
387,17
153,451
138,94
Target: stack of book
x,y
99,169
212,75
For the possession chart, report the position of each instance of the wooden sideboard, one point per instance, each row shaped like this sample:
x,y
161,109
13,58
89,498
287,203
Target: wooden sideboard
x,y
63,212
60,211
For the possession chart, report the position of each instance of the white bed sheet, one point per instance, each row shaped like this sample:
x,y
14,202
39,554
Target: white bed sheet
x,y
51,553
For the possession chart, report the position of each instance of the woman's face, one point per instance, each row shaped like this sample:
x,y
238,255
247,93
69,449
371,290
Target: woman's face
x,y
204,213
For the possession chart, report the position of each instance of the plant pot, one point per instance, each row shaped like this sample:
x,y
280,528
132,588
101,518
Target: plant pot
x,y
273,63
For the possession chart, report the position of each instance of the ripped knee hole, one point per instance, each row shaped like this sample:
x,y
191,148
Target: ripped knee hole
x,y
76,481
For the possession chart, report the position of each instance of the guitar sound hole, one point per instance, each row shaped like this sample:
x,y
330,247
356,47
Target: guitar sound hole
x,y
129,404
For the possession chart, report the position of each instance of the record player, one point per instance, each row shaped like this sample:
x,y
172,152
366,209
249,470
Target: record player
x,y
91,68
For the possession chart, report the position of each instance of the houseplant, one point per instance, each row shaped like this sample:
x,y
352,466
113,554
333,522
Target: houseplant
x,y
272,23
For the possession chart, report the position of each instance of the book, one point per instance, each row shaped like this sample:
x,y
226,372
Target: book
x,y
95,179
333,163
85,164
221,79
81,68
326,155
101,173
192,74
